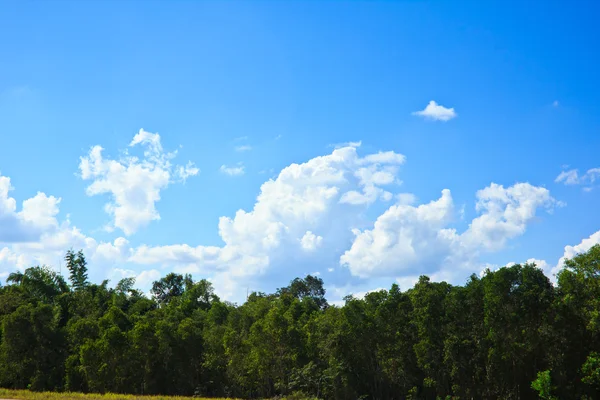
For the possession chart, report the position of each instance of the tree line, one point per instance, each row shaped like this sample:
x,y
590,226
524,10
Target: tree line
x,y
510,334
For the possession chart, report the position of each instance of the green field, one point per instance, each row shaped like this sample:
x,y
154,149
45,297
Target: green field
x,y
27,395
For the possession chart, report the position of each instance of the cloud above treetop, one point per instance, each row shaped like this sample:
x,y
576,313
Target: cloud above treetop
x,y
134,184
311,213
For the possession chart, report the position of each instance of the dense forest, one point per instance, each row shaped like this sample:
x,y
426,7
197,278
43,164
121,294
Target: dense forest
x,y
510,334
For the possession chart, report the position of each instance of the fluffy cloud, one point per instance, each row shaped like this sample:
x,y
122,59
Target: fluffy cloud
x,y
380,169
233,171
310,241
572,251
134,184
324,197
38,215
313,197
436,112
406,237
402,237
49,249
505,213
143,279
242,148
302,199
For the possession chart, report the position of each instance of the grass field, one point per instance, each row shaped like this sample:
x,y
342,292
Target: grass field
x,y
27,395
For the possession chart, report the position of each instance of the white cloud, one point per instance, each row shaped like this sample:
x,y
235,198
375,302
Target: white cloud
x,y
146,278
303,197
243,148
541,264
406,237
593,174
346,144
133,184
49,249
384,157
279,233
143,279
551,270
572,251
310,241
233,171
405,241
189,170
403,237
380,169
361,295
572,177
436,112
41,210
505,213
38,215
112,252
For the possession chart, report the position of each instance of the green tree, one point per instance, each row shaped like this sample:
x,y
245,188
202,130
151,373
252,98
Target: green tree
x,y
77,266
543,385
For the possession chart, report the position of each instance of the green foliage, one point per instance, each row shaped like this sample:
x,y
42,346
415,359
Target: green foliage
x,y
488,339
591,370
543,385
77,266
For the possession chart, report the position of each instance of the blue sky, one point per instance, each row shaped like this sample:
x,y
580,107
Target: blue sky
x,y
288,82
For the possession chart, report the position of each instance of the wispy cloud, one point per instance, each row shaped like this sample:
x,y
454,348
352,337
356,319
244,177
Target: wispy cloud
x,y
346,144
572,177
242,148
436,112
233,171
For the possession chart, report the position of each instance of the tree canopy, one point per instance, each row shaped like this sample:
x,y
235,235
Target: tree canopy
x,y
509,334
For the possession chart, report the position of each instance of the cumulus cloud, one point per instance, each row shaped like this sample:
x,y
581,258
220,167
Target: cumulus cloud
x,y
37,215
284,231
570,251
313,197
143,279
402,237
310,241
233,171
49,249
582,247
406,237
505,213
134,184
303,199
436,112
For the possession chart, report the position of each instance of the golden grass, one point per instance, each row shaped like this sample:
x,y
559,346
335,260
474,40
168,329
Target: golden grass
x,y
27,395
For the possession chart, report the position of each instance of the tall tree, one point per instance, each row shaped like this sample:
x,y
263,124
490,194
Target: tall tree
x,y
77,266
